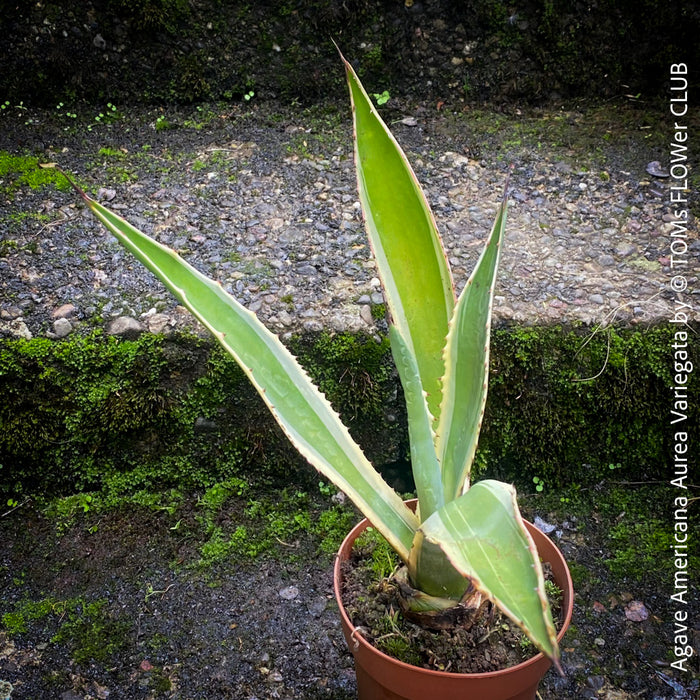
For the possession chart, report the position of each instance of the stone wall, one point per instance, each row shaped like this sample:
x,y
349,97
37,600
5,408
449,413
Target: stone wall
x,y
437,50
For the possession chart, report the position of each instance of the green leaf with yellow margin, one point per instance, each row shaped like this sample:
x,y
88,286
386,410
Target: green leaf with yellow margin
x,y
405,242
466,359
484,537
302,412
424,462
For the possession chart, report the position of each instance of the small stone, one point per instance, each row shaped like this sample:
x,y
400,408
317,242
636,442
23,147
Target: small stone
x,y
543,526
17,328
275,677
596,299
157,323
606,260
284,318
13,312
599,642
625,249
62,327
64,311
99,42
125,326
313,326
366,315
106,194
317,607
636,611
655,169
289,593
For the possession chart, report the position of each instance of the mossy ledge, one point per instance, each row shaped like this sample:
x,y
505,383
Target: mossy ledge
x,y
157,413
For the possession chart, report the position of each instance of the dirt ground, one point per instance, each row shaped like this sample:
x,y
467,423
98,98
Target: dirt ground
x,y
125,604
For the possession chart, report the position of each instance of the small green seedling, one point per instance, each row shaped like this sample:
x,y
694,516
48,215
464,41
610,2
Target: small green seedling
x,y
382,97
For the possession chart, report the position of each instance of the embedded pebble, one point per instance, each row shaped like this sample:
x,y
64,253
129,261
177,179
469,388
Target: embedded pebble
x,y
62,327
289,593
636,611
64,311
125,326
544,526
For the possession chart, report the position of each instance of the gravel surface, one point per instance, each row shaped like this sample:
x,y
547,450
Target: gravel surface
x,y
265,201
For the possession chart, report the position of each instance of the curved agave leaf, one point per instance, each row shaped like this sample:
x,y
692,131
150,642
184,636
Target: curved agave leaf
x,y
484,537
301,410
404,239
466,358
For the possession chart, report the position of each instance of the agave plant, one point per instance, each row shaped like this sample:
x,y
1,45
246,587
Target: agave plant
x,y
466,543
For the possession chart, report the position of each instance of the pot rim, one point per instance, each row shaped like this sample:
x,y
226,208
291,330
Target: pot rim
x,y
358,638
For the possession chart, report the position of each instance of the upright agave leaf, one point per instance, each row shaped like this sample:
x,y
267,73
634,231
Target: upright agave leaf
x,y
402,232
301,410
467,367
424,461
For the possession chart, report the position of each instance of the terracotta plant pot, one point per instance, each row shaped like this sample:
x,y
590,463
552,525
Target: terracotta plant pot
x,y
380,677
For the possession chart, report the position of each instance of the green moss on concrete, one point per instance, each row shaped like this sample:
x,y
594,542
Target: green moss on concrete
x,y
146,420
132,418
270,525
85,627
565,404
24,171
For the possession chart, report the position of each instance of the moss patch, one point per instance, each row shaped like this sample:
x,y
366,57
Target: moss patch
x,y
85,627
130,419
270,525
565,404
23,171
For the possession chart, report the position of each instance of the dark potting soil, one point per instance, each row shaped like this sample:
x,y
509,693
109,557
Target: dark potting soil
x,y
486,642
